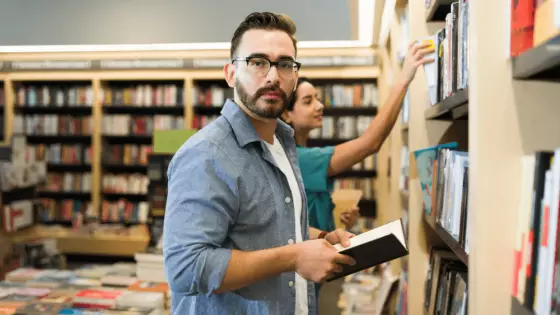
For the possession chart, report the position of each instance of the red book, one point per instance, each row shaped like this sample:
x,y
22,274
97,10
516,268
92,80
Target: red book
x,y
522,25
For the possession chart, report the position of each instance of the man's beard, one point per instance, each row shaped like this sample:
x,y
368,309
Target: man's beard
x,y
270,111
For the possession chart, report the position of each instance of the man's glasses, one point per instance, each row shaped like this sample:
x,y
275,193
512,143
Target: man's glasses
x,y
260,66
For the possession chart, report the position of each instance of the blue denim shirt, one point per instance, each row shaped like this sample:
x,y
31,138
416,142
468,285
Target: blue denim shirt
x,y
226,192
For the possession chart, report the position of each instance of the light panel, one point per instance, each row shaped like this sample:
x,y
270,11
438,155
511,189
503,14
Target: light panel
x,y
365,39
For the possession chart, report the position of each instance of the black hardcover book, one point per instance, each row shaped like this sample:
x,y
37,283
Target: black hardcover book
x,y
374,247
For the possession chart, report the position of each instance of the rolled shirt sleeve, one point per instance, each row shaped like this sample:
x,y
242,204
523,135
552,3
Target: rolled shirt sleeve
x,y
202,204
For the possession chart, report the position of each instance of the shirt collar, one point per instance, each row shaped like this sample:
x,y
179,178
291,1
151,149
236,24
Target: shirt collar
x,y
244,130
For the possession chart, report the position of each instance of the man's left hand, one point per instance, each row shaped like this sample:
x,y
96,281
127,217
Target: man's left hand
x,y
339,236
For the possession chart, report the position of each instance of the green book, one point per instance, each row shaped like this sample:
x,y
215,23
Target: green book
x,y
169,141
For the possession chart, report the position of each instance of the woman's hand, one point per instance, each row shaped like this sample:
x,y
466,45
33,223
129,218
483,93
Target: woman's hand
x,y
350,217
414,59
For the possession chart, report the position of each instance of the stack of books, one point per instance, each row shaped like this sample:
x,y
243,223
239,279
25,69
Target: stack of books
x,y
100,289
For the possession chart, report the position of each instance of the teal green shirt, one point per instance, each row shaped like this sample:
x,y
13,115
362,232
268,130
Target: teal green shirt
x,y
314,165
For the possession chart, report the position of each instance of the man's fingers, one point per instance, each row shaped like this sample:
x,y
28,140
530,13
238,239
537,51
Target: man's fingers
x,y
343,237
344,260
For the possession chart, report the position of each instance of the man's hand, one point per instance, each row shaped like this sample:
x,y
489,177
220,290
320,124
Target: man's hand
x,y
318,260
350,217
413,59
339,236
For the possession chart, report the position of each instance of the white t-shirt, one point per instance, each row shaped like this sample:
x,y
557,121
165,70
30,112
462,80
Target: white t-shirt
x,y
283,163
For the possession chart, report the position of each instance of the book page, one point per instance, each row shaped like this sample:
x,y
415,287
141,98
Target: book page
x,y
394,227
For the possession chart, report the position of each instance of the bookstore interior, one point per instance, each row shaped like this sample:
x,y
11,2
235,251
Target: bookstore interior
x,y
88,136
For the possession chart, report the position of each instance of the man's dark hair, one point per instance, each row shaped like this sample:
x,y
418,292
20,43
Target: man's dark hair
x,y
264,21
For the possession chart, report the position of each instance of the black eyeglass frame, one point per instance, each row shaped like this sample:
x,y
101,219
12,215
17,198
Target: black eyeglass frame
x,y
272,63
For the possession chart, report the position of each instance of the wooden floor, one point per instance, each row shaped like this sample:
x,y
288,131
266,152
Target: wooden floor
x,y
328,298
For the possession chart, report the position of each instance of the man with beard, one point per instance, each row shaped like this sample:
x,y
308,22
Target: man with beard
x,y
236,237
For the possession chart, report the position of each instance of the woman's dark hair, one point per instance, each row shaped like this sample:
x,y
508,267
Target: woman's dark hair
x,y
292,100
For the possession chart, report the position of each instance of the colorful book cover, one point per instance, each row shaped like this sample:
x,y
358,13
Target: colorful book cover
x,y
424,166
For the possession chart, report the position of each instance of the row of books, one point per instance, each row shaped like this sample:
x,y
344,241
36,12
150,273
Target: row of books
x,y
52,125
127,154
446,285
343,127
450,205
68,182
99,289
451,44
125,184
532,23
143,95
125,125
443,172
66,210
201,121
368,164
53,95
537,258
364,184
57,153
123,211
332,95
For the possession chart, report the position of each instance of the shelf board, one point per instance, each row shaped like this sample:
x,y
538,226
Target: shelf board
x,y
368,208
448,239
123,168
454,107
128,139
357,174
350,111
144,110
437,10
129,197
58,139
65,167
58,110
321,142
20,193
518,309
541,62
59,195
207,110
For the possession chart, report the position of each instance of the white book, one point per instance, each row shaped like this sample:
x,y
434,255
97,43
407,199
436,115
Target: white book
x,y
374,247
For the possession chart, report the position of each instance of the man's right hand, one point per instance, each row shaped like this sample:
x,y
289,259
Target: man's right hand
x,y
318,260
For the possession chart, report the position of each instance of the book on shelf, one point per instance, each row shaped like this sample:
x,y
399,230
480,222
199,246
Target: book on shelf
x,y
547,21
146,94
449,73
51,94
365,185
127,125
522,26
423,167
379,245
535,281
446,285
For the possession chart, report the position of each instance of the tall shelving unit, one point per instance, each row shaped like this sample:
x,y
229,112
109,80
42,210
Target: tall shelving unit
x,y
184,109
508,111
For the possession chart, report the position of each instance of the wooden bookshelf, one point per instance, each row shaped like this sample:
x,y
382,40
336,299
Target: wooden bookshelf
x,y
539,63
508,111
186,78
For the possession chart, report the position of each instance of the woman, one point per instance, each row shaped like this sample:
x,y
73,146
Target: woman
x,y
318,165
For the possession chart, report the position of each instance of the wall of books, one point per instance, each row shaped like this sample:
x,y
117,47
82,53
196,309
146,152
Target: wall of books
x,y
473,166
92,124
